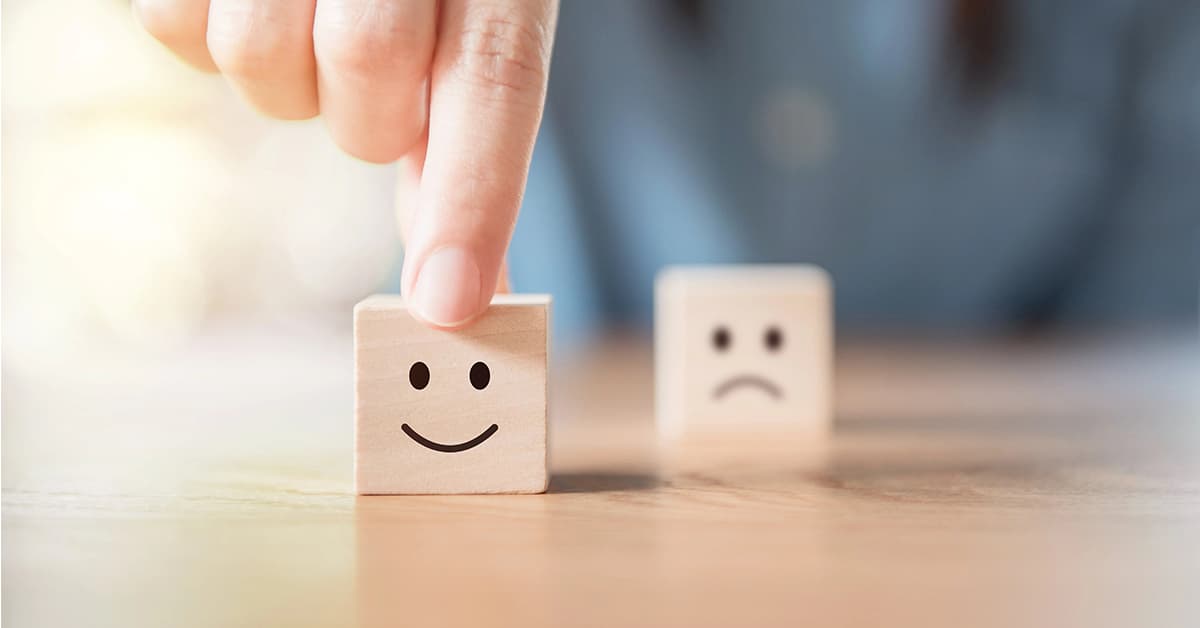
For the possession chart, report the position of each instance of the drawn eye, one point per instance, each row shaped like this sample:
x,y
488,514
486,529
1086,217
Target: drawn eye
x,y
481,375
773,338
721,338
418,375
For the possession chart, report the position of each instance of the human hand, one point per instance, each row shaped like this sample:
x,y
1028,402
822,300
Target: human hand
x,y
453,89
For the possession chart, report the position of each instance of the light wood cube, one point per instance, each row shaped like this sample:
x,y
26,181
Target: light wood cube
x,y
743,353
440,412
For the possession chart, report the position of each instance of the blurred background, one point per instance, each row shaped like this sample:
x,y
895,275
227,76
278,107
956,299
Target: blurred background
x,y
1005,192
964,167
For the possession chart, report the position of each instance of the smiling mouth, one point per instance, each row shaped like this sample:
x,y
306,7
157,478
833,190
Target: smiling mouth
x,y
751,381
449,449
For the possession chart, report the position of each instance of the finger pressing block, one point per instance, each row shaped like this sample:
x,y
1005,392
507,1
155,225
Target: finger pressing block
x,y
743,353
441,412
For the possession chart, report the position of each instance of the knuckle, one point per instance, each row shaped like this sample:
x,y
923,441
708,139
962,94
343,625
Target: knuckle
x,y
249,48
368,47
501,53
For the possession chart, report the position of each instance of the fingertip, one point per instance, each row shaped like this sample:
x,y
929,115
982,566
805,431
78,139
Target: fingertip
x,y
447,291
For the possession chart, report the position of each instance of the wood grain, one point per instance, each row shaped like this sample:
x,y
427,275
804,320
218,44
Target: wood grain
x,y
983,486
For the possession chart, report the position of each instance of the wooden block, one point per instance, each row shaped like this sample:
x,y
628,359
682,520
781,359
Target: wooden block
x,y
440,412
743,354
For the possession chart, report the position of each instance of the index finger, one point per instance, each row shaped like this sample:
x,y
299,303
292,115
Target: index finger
x,y
487,93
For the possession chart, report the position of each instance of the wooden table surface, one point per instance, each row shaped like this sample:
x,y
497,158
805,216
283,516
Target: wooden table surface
x,y
968,485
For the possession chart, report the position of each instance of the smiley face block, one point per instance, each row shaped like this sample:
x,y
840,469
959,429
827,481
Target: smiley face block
x,y
440,412
743,351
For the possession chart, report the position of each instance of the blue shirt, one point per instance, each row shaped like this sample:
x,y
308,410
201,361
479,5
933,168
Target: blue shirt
x,y
838,133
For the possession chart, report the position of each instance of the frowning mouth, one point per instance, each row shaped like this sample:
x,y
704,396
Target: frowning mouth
x,y
449,449
750,381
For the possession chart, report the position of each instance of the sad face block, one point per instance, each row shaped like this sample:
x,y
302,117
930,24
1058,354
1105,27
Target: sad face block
x,y
743,353
450,411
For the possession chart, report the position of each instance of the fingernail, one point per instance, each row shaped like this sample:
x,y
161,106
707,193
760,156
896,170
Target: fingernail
x,y
447,288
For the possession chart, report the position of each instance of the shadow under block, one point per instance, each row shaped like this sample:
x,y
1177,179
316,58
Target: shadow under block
x,y
442,412
743,358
